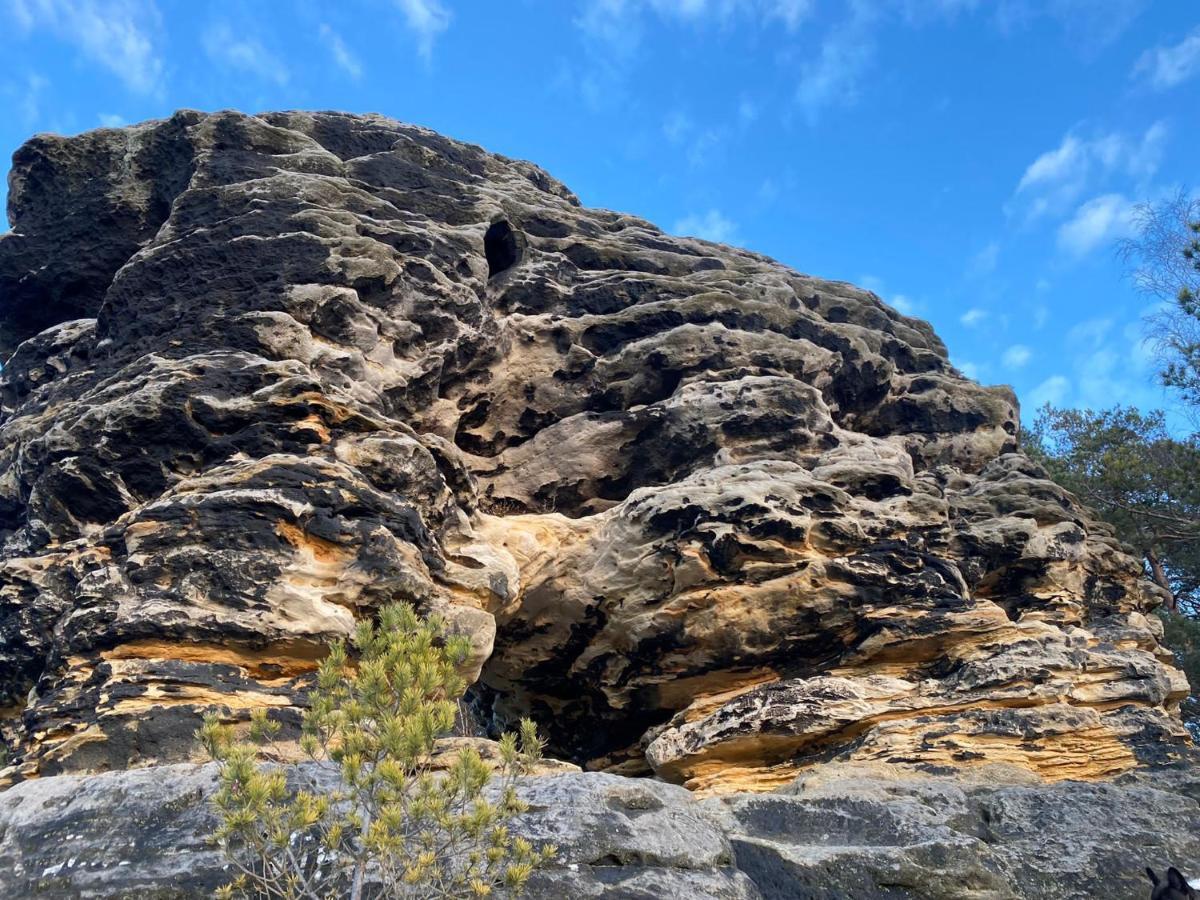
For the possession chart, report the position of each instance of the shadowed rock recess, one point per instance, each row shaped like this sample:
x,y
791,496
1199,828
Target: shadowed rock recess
x,y
704,518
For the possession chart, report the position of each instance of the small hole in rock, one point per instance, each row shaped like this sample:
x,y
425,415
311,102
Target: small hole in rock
x,y
502,248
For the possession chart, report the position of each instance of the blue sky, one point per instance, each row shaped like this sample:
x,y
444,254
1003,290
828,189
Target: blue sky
x,y
972,161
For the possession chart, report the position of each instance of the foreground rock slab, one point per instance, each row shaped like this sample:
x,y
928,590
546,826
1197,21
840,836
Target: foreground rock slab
x,y
856,836
143,833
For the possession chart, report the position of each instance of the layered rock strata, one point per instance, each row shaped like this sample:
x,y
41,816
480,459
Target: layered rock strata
x,y
701,515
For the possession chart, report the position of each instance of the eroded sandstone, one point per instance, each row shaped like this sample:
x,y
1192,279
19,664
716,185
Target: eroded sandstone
x,y
702,516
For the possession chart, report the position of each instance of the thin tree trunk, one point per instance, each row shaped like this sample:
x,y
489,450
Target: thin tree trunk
x,y
1160,578
360,867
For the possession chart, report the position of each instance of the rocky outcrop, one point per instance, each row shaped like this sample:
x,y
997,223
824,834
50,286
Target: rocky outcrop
x,y
844,835
701,515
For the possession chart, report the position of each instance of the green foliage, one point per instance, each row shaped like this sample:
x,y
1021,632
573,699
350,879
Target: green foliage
x,y
1182,364
1135,476
391,826
1182,635
1163,258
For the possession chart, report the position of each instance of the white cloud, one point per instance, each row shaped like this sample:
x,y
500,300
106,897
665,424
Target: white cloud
x,y
1166,67
341,54
243,53
904,304
111,120
974,316
1054,181
711,226
1054,165
1053,391
832,78
1101,220
1041,315
116,34
427,19
1016,356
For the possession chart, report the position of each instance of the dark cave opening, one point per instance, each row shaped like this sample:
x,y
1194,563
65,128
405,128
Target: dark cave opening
x,y
502,248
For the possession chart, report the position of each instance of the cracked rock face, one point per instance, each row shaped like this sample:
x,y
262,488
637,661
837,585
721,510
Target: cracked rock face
x,y
700,514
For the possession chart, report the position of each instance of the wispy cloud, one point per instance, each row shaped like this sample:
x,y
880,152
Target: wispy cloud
x,y
697,143
26,96
243,53
1111,364
426,19
1166,67
1053,390
609,18
974,317
1090,333
118,35
793,13
832,77
983,263
111,120
341,54
1017,356
1100,221
614,30
1090,25
710,225
1057,178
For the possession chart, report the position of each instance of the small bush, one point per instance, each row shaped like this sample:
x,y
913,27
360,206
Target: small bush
x,y
390,826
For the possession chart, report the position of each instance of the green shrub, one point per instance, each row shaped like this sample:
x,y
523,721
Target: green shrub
x,y
391,826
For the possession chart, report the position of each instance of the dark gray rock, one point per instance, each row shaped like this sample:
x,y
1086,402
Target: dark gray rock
x,y
142,833
850,836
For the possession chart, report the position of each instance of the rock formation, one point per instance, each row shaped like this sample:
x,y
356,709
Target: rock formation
x,y
703,517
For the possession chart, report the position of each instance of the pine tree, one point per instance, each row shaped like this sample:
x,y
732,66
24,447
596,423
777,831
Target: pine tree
x,y
391,826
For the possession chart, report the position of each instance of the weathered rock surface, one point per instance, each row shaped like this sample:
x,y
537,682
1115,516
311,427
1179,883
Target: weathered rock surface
x,y
702,516
850,836
143,833
847,832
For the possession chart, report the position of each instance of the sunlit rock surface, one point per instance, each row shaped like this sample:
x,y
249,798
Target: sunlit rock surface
x,y
702,516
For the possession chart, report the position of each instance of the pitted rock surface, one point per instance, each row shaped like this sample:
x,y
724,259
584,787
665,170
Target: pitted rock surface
x,y
701,515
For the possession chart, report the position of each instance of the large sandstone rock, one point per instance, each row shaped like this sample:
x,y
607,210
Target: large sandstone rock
x,y
701,515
